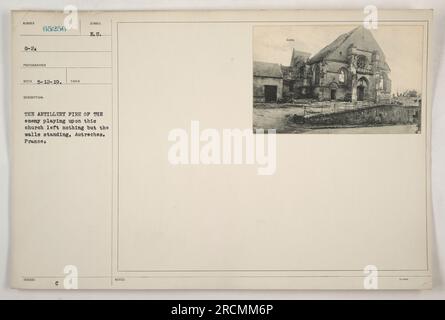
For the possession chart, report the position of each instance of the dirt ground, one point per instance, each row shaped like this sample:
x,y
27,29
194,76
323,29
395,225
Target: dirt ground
x,y
276,118
381,129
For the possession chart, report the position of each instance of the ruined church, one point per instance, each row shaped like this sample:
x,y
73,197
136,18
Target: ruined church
x,y
351,68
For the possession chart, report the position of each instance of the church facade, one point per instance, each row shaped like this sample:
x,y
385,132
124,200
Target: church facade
x,y
351,68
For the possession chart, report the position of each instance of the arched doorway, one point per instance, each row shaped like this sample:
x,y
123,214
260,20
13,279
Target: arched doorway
x,y
362,88
333,90
317,75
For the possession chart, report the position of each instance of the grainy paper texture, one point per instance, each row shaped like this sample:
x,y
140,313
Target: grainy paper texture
x,y
122,177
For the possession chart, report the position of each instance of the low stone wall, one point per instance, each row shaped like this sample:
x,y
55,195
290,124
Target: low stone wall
x,y
374,115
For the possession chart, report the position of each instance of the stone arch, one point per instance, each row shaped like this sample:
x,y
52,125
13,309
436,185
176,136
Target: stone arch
x,y
362,61
317,75
362,89
386,82
343,76
333,87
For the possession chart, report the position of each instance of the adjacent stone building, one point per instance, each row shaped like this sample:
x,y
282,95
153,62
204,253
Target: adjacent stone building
x,y
351,68
267,82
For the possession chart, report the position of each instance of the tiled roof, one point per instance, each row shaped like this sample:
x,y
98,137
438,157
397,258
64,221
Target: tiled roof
x,y
267,69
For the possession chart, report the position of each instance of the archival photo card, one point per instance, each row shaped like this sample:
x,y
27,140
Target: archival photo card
x,y
135,165
348,78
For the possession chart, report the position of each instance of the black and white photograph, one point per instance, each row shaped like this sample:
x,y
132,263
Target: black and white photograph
x,y
223,160
338,78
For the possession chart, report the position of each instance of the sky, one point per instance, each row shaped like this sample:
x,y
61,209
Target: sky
x,y
401,44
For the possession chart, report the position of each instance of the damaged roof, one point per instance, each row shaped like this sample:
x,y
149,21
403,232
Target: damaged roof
x,y
323,53
359,37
